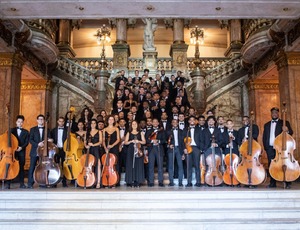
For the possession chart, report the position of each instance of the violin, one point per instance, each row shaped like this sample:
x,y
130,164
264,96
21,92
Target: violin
x,y
213,175
109,175
284,167
73,150
187,141
9,166
231,161
146,158
86,177
250,171
47,172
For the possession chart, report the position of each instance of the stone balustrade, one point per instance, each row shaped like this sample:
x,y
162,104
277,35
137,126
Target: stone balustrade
x,y
222,71
46,26
207,63
77,71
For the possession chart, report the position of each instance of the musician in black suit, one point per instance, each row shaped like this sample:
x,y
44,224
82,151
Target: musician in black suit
x,y
23,139
123,128
36,139
193,158
230,133
182,124
271,130
155,152
175,151
206,138
120,78
243,132
59,135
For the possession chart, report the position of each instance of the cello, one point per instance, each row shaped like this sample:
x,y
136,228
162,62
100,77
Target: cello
x,y
109,175
47,172
213,175
231,161
73,150
9,166
284,167
86,177
250,171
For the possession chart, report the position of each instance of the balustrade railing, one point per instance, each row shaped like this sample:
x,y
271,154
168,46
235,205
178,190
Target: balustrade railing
x,y
47,26
77,71
92,64
207,63
222,71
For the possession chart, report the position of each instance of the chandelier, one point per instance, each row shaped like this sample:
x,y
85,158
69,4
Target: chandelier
x,y
197,38
103,36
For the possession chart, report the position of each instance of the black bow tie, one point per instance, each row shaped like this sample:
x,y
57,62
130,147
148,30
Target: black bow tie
x,y
192,127
181,123
274,121
19,128
122,128
41,127
60,128
164,121
211,127
174,128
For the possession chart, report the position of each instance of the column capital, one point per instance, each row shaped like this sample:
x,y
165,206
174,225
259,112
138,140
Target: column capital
x,y
11,60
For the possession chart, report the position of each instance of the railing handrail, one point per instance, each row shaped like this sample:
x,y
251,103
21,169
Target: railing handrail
x,y
224,64
74,63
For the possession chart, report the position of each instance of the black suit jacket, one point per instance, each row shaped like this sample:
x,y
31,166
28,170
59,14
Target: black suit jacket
x,y
160,136
168,125
23,139
197,135
54,135
241,133
180,136
278,130
206,138
235,148
35,139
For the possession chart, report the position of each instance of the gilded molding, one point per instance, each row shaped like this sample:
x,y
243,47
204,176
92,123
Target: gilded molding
x,y
36,85
264,84
285,59
11,60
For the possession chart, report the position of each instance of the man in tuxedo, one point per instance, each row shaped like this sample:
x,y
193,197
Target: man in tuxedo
x,y
193,158
271,130
36,139
23,139
164,122
156,152
230,133
59,135
243,132
119,108
221,124
122,148
120,78
164,80
201,122
182,124
175,151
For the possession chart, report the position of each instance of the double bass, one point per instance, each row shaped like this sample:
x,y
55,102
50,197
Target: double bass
x,y
109,175
73,150
231,161
47,172
284,167
213,175
86,177
9,166
250,171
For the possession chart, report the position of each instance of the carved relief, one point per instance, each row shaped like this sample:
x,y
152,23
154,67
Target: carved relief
x,y
36,85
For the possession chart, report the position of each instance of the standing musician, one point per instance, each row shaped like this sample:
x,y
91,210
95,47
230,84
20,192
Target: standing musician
x,y
155,138
122,148
23,139
271,130
93,142
81,133
112,133
243,132
36,139
230,133
175,151
59,135
193,158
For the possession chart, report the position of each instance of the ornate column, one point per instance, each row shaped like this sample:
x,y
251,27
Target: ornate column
x,y
235,37
121,49
101,102
10,77
199,100
288,65
178,50
64,39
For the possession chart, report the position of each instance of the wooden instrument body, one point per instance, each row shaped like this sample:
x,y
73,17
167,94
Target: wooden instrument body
x,y
284,167
229,175
86,176
47,172
187,141
109,175
72,165
9,166
250,171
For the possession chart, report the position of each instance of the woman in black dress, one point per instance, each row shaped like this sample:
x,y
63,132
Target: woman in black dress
x,y
93,142
111,139
86,117
134,165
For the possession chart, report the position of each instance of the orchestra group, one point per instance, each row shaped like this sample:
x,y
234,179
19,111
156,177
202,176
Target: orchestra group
x,y
151,128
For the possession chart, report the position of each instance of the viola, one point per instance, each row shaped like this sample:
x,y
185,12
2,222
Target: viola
x,y
213,175
47,172
250,171
284,167
109,175
73,150
9,166
187,141
231,161
86,177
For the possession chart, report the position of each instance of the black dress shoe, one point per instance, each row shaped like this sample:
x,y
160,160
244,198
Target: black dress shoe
x,y
171,184
288,186
271,186
65,185
180,185
189,185
161,185
150,185
30,186
23,186
198,185
7,186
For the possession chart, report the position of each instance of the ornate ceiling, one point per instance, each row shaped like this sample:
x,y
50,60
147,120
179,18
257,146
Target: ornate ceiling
x,y
213,9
